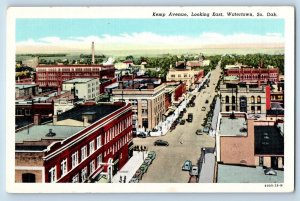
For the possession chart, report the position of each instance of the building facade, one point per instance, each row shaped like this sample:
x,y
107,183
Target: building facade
x,y
68,153
53,76
26,90
148,104
245,98
249,74
85,88
187,75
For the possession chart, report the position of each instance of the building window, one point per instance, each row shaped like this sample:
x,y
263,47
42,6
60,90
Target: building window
x,y
233,108
52,174
92,147
99,160
83,153
75,179
252,99
92,166
233,99
227,108
172,75
227,99
63,167
28,178
258,109
252,109
83,174
75,159
258,99
98,141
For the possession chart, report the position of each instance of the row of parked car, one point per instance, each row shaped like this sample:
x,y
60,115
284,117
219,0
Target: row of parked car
x,y
188,166
191,103
137,177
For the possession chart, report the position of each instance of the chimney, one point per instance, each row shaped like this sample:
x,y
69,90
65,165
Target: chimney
x,y
85,121
93,53
54,119
37,119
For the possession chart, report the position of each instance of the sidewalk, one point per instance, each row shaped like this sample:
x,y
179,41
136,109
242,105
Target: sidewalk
x,y
207,169
130,167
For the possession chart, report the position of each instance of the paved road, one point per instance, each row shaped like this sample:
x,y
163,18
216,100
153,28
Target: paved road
x,y
184,143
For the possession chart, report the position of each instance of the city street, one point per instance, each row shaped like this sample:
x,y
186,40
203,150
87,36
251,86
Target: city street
x,y
184,144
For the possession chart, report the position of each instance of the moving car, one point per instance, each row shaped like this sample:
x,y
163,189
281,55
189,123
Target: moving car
x,y
187,165
151,155
161,143
199,132
194,171
190,117
203,108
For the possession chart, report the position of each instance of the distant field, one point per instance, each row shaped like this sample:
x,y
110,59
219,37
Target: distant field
x,y
151,53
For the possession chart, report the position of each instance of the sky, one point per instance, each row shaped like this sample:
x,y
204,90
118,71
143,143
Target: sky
x,y
110,34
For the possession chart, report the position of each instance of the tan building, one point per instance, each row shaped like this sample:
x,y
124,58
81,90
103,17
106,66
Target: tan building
x,y
249,142
188,75
147,100
244,98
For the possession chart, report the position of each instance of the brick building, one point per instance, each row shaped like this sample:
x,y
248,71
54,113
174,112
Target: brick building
x,y
52,76
249,142
249,74
78,145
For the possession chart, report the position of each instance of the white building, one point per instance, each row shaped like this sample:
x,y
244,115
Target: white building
x,y
62,105
85,88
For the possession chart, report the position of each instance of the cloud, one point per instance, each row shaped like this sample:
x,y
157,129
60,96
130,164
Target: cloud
x,y
149,40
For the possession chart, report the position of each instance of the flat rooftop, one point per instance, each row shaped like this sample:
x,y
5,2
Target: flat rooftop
x,y
233,127
97,111
38,132
24,86
241,174
79,80
268,140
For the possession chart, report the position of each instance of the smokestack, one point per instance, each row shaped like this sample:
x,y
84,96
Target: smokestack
x,y
93,53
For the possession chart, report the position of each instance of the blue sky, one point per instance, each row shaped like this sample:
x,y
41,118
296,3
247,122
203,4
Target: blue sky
x,y
64,28
77,34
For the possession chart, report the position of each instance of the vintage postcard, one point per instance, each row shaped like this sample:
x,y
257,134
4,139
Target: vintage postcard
x,y
150,99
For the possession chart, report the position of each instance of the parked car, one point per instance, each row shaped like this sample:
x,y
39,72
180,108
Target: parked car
x,y
184,110
270,171
192,104
151,155
203,108
187,165
199,132
142,135
147,161
144,168
182,122
161,143
138,174
194,171
134,180
193,179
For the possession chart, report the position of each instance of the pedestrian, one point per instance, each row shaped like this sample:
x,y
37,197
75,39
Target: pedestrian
x,y
120,179
124,179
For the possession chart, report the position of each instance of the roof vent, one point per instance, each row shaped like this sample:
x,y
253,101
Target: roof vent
x,y
50,134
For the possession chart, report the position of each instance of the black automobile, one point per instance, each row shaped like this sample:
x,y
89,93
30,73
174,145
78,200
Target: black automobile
x,y
161,143
182,122
142,135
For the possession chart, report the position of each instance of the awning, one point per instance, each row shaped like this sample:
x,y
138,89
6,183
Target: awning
x,y
116,161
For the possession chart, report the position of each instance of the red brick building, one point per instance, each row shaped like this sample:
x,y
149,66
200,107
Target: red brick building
x,y
247,74
52,76
79,145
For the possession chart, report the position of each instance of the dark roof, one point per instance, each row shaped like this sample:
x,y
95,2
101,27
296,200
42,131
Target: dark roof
x,y
275,112
268,140
98,111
